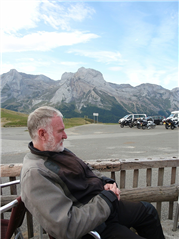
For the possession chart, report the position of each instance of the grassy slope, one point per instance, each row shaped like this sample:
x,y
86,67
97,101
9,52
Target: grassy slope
x,y
11,118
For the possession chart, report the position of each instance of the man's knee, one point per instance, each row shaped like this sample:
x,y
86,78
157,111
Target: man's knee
x,y
151,210
149,207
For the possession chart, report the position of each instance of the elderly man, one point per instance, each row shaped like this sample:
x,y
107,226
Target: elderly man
x,y
68,197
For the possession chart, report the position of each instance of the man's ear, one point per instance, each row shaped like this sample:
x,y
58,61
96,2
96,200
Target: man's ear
x,y
42,134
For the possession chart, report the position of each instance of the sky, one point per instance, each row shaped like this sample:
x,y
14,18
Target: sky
x,y
129,42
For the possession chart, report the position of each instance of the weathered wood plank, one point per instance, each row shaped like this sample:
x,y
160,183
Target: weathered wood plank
x,y
10,170
105,165
141,164
151,194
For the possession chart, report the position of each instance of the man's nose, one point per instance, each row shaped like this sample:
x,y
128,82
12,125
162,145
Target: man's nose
x,y
64,135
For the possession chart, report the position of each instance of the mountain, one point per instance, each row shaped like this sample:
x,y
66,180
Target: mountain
x,y
84,93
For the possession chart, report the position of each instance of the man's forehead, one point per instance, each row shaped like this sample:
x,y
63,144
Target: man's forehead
x,y
58,121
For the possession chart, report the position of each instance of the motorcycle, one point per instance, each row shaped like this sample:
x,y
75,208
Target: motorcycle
x,y
169,123
134,122
139,123
126,122
146,123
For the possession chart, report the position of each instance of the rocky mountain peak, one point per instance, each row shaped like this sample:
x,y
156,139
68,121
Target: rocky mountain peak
x,y
13,72
89,76
12,77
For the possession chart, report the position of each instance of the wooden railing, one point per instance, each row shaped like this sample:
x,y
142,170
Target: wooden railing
x,y
151,180
154,188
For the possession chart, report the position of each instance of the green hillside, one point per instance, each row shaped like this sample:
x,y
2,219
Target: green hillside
x,y
11,118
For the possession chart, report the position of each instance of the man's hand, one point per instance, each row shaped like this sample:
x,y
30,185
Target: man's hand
x,y
113,188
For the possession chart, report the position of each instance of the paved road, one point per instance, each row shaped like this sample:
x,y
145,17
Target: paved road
x,y
98,141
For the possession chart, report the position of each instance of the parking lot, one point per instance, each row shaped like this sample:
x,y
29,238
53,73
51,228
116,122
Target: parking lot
x,y
99,141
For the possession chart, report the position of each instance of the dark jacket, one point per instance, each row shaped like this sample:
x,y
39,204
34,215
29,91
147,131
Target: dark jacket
x,y
63,193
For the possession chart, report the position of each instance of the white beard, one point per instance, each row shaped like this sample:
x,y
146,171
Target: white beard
x,y
51,146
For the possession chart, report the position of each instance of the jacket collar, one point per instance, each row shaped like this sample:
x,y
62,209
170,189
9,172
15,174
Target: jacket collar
x,y
43,153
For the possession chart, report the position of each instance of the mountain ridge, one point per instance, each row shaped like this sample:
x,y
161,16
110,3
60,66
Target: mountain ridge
x,y
83,92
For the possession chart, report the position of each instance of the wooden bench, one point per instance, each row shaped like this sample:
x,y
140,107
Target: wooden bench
x,y
151,180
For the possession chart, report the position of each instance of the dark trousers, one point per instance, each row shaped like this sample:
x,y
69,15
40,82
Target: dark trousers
x,y
142,216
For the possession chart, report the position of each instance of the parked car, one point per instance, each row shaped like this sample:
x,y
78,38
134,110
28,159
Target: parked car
x,y
158,119
132,117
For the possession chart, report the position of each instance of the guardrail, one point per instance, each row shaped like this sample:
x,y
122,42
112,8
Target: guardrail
x,y
152,180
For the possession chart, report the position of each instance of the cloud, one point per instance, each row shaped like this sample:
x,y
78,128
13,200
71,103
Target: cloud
x,y
17,15
44,41
61,15
21,20
26,14
139,75
100,56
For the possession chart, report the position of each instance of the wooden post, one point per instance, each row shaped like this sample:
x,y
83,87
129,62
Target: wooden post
x,y
135,178
171,203
13,188
123,179
149,177
160,183
113,176
30,228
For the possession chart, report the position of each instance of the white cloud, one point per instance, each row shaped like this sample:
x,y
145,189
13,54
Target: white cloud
x,y
100,56
149,75
26,14
61,15
17,15
43,41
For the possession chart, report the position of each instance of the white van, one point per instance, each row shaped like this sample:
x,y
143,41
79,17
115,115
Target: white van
x,y
174,115
132,116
